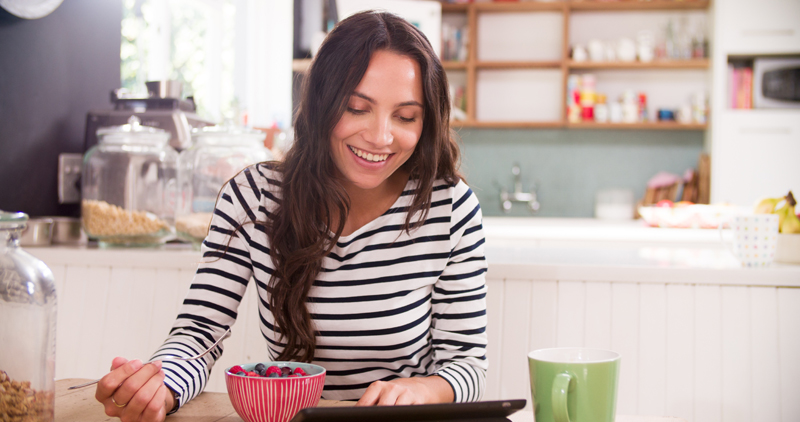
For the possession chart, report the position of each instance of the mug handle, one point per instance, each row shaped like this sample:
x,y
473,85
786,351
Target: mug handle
x,y
559,397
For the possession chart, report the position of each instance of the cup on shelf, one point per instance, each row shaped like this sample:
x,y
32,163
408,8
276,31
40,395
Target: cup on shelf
x,y
626,50
579,53
597,50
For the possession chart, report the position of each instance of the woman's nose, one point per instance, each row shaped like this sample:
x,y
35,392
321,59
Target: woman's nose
x,y
381,131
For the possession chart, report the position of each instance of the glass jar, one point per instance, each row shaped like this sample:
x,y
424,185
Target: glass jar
x,y
218,153
27,329
129,186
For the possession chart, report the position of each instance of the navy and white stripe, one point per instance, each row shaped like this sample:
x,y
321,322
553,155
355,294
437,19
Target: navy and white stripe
x,y
386,304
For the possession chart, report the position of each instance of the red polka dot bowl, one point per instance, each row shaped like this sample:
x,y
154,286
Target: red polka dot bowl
x,y
261,399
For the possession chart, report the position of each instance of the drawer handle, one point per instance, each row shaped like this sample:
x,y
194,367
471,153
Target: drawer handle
x,y
768,32
766,130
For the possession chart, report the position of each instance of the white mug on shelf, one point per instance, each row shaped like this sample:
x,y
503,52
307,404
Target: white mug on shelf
x,y
754,239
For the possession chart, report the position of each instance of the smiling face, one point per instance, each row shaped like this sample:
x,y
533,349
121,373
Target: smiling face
x,y
382,123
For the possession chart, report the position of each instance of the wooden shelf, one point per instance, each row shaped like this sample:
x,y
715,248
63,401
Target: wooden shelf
x,y
639,5
300,65
647,125
454,65
520,6
518,65
658,64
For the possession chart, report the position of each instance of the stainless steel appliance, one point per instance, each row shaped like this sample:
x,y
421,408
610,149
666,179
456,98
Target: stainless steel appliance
x,y
163,109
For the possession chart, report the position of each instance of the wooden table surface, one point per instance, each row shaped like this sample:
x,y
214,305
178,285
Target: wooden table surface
x,y
80,405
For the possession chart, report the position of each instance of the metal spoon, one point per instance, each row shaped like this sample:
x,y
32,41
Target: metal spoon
x,y
173,358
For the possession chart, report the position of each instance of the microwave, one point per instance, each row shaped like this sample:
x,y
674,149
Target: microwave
x,y
776,83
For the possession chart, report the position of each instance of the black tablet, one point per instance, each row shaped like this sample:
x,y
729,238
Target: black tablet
x,y
483,411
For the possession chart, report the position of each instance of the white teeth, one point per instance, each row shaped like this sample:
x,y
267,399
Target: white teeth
x,y
375,158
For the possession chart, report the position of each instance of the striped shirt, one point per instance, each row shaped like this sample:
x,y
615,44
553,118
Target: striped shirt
x,y
386,304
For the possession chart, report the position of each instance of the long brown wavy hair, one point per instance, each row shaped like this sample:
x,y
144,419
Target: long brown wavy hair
x,y
311,196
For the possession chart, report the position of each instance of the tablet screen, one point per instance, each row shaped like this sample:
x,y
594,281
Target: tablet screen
x,y
477,411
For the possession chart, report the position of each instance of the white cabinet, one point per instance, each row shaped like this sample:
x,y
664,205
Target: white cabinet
x,y
759,27
754,152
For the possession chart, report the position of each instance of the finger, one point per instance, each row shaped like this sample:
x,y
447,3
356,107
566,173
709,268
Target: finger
x,y
389,395
111,381
156,410
135,382
142,397
370,397
406,398
117,362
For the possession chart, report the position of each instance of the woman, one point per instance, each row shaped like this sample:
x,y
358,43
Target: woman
x,y
365,245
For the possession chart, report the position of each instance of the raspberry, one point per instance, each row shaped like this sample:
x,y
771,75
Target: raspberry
x,y
300,371
293,376
252,374
273,370
236,369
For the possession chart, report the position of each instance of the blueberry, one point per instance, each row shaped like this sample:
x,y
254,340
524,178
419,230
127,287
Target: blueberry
x,y
261,369
241,373
286,371
274,375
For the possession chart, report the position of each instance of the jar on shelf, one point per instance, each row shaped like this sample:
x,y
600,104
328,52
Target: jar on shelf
x,y
218,153
129,186
27,331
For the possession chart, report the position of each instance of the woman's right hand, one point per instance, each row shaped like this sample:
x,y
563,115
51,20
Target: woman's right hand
x,y
134,391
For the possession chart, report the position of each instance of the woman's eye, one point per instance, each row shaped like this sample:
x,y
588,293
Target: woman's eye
x,y
407,120
356,111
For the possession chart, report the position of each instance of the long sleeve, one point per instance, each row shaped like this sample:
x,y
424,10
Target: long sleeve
x,y
221,279
459,303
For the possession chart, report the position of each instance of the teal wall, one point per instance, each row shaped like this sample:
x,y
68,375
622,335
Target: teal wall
x,y
570,165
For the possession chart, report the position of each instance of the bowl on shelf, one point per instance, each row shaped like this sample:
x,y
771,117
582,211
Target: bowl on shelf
x,y
262,399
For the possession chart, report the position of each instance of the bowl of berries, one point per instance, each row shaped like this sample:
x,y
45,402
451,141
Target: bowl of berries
x,y
273,391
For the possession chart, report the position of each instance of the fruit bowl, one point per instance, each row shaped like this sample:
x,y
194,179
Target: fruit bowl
x,y
262,399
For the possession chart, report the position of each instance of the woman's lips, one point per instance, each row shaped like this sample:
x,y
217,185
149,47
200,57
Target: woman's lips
x,y
368,156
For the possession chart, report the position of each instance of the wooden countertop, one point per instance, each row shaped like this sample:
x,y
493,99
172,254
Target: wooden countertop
x,y
80,405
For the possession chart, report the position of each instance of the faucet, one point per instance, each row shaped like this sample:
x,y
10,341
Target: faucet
x,y
507,199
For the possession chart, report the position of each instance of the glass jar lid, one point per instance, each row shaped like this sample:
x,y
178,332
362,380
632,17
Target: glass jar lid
x,y
12,220
133,132
228,134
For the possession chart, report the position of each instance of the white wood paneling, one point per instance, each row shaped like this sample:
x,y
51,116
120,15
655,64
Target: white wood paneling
x,y
494,329
625,341
652,349
516,329
707,354
544,315
93,322
129,310
597,333
680,351
764,352
571,313
789,345
736,357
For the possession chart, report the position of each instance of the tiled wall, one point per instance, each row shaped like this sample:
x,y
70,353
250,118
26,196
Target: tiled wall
x,y
569,166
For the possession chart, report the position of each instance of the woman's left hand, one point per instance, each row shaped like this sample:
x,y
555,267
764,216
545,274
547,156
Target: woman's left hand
x,y
402,391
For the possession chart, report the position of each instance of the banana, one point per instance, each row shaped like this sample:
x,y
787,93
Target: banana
x,y
789,223
767,205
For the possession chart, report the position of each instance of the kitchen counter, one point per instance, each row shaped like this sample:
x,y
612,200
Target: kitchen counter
x,y
564,249
701,337
80,405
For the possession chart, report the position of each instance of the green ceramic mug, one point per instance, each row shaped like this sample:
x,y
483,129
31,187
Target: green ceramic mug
x,y
574,384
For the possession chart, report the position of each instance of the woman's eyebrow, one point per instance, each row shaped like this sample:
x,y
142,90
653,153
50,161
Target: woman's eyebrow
x,y
403,104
